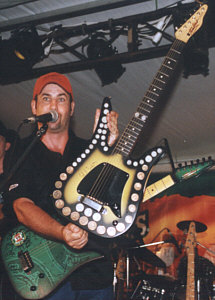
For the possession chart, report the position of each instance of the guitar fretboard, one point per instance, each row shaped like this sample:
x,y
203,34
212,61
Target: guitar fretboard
x,y
147,106
158,187
190,245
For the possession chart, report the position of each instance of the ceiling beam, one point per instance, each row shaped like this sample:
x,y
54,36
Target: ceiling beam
x,y
127,57
65,13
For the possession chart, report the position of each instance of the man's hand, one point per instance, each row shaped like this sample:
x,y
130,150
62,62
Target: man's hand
x,y
112,123
74,236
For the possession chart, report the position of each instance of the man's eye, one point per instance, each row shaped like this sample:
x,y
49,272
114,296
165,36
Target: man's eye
x,y
61,99
45,99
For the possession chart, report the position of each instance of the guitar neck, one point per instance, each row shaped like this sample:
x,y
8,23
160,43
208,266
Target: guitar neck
x,y
190,291
158,187
190,246
150,101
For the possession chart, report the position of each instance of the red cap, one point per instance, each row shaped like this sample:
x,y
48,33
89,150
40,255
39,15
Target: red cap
x,y
53,77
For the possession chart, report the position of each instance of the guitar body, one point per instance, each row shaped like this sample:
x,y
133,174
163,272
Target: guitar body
x,y
36,266
101,191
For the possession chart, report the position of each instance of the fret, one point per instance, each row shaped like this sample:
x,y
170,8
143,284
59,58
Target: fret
x,y
166,69
126,143
159,80
176,51
150,99
154,93
190,248
132,131
158,187
170,60
174,60
147,104
168,63
143,115
147,101
170,68
146,110
167,75
162,77
150,95
125,148
155,87
139,122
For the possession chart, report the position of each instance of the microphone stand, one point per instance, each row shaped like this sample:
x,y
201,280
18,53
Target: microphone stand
x,y
38,135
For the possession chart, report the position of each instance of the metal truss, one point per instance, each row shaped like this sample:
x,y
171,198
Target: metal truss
x,y
130,31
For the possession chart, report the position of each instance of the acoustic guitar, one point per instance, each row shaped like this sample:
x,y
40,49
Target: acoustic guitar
x,y
101,190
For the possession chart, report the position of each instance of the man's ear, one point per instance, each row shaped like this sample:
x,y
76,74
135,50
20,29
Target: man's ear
x,y
33,106
72,108
7,146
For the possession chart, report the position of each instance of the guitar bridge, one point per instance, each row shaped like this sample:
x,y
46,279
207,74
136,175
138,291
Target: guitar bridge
x,y
93,204
25,261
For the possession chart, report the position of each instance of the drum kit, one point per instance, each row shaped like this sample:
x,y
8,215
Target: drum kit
x,y
142,274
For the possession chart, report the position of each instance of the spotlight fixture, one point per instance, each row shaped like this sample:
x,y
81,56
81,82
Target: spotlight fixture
x,y
19,53
195,56
108,72
196,61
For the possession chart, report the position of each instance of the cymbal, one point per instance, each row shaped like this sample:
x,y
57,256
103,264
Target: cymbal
x,y
200,227
147,256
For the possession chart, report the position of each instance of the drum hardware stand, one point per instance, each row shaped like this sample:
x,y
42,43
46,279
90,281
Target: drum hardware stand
x,y
128,261
128,265
114,279
148,245
211,251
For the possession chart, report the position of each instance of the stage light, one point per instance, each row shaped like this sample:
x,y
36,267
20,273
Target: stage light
x,y
108,72
196,54
19,53
196,61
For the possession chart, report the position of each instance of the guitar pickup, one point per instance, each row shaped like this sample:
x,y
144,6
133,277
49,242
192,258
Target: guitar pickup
x,y
93,204
25,261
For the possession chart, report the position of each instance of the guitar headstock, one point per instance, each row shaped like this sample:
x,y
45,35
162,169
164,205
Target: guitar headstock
x,y
191,238
192,169
192,25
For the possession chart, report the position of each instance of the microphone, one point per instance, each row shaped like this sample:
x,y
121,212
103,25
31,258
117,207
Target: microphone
x,y
52,116
173,241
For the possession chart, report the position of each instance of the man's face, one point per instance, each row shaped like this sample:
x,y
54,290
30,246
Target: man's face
x,y
53,97
4,146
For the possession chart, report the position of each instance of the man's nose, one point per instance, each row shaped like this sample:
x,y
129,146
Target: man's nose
x,y
53,104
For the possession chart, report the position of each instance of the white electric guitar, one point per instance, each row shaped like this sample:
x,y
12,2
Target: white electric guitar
x,y
101,190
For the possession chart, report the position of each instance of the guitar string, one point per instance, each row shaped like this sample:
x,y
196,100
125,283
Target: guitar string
x,y
108,170
48,244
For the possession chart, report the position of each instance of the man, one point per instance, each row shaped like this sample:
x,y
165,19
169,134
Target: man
x,y
8,141
33,184
7,137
